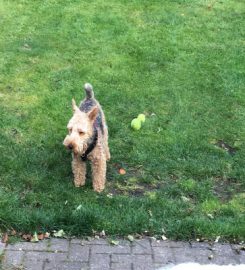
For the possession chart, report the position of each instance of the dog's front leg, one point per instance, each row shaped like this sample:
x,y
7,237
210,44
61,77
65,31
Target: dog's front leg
x,y
79,170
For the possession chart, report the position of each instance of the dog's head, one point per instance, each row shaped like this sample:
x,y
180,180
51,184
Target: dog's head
x,y
80,129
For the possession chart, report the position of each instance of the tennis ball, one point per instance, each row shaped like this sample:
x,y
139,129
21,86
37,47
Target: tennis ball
x,y
136,124
141,117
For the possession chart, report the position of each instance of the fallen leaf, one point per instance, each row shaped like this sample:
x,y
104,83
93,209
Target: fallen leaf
x,y
102,233
237,143
114,242
130,238
60,233
34,238
5,238
213,141
210,216
217,239
40,236
79,207
26,237
122,171
185,199
150,213
138,236
13,232
47,235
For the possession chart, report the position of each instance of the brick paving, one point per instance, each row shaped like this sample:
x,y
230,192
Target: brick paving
x,y
143,254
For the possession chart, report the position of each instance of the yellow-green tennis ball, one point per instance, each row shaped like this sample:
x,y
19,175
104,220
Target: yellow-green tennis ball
x,y
141,117
136,124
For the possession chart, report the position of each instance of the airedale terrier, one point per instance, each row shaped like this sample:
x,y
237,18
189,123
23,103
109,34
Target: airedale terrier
x,y
88,140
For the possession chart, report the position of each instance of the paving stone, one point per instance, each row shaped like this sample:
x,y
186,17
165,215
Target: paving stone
x,y
98,242
224,254
143,267
67,266
29,246
201,252
36,260
158,266
77,241
198,255
2,247
59,245
201,245
170,251
100,261
98,254
241,257
179,245
142,247
160,243
143,262
163,255
139,262
121,265
79,253
181,251
139,259
109,249
13,258
93,241
240,253
125,258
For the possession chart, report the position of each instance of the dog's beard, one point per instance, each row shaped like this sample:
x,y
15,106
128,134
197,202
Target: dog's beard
x,y
80,149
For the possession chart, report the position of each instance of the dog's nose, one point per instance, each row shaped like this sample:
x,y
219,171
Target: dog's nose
x,y
70,146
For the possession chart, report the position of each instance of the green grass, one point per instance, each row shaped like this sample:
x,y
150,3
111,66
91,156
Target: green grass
x,y
179,62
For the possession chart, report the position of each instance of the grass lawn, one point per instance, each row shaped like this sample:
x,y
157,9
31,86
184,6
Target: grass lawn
x,y
182,63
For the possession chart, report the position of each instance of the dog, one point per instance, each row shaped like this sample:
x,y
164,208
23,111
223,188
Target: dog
x,y
88,140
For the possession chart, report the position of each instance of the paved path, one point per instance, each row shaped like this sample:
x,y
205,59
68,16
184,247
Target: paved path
x,y
144,254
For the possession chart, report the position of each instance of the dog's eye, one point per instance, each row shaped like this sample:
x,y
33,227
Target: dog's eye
x,y
81,133
70,130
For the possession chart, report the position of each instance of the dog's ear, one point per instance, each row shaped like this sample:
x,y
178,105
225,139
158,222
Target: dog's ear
x,y
74,106
93,113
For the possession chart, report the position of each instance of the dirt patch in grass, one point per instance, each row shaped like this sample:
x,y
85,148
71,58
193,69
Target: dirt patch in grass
x,y
133,187
231,150
225,188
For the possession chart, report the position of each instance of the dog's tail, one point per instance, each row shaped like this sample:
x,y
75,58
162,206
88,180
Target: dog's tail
x,y
89,90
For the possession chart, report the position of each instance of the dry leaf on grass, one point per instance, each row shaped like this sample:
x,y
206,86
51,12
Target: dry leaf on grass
x,y
34,238
40,236
5,238
60,233
26,237
122,171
